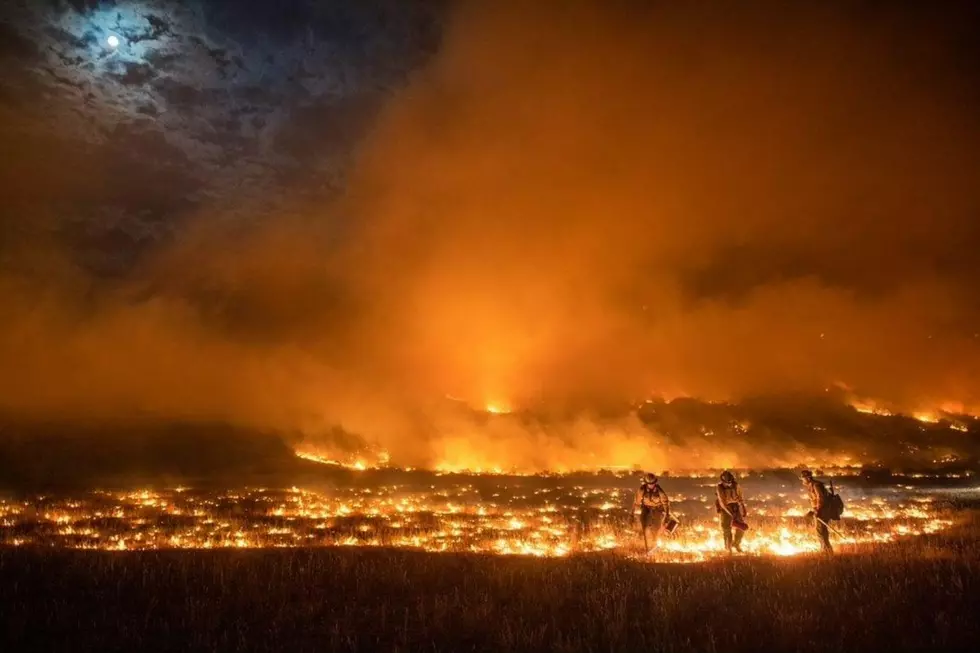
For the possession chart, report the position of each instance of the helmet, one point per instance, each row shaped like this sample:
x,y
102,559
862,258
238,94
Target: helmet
x,y
806,474
727,477
650,477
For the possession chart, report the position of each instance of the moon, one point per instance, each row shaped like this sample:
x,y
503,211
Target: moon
x,y
113,41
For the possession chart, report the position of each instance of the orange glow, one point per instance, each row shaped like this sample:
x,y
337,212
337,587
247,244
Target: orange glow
x,y
869,408
459,441
516,520
459,457
928,413
928,417
497,408
520,235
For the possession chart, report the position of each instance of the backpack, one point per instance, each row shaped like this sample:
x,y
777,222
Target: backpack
x,y
835,505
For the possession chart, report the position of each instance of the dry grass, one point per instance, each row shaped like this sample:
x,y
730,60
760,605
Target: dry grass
x,y
922,595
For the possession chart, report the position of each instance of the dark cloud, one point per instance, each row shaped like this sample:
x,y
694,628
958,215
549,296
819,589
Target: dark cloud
x,y
13,46
227,86
134,74
341,122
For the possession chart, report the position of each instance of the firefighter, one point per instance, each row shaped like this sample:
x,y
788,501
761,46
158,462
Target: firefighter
x,y
654,507
818,515
731,508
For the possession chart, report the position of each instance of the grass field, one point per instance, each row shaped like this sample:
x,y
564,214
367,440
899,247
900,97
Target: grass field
x,y
920,595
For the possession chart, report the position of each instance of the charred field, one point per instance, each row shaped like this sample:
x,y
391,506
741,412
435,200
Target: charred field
x,y
912,596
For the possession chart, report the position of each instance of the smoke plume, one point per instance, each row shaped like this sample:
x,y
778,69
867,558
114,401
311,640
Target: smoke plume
x,y
573,203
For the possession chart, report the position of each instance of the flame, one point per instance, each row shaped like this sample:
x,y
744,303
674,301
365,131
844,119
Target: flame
x,y
506,446
928,414
459,459
927,417
869,408
552,521
356,463
497,408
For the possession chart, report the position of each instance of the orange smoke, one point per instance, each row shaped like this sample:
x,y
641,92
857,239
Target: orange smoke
x,y
574,205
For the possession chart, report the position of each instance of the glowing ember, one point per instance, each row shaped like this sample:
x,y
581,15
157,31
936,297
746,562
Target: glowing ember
x,y
869,408
926,414
475,440
357,463
536,517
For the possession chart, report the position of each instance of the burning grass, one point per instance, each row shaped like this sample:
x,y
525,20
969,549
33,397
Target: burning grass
x,y
919,594
544,517
354,566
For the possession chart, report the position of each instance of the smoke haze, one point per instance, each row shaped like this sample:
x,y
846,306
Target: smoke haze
x,y
572,203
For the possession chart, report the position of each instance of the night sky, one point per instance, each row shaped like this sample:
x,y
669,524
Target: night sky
x,y
200,102
296,213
